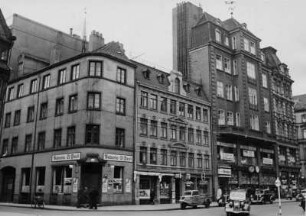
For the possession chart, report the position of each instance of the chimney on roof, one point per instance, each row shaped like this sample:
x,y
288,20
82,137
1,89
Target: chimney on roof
x,y
96,41
71,31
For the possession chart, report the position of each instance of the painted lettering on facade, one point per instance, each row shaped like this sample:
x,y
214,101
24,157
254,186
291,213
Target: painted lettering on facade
x,y
116,157
66,157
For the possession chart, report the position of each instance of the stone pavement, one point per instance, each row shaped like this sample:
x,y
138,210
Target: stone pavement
x,y
158,207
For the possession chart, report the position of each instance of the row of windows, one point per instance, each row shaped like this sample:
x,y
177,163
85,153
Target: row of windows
x,y
180,133
153,102
163,156
228,91
93,103
92,136
95,70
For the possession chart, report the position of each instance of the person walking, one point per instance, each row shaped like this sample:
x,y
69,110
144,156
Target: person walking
x,y
82,197
93,196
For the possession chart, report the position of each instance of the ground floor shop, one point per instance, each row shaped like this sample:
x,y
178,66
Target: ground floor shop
x,y
62,176
168,187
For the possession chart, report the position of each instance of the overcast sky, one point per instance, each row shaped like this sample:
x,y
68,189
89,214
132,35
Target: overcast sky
x,y
145,26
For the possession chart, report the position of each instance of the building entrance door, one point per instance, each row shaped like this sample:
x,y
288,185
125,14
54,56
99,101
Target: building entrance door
x,y
91,176
8,174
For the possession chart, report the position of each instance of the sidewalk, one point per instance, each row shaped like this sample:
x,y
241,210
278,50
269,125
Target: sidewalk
x,y
158,207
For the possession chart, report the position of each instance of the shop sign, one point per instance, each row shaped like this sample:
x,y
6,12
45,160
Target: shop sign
x,y
223,171
227,156
116,157
248,153
66,157
268,161
203,182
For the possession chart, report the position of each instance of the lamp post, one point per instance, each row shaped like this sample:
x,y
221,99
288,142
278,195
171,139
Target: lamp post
x,y
278,184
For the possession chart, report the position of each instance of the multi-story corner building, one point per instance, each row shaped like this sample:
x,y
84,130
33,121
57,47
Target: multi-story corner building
x,y
39,46
69,126
226,59
6,43
172,140
283,125
300,121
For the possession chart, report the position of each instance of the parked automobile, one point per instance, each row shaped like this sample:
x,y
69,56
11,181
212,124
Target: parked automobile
x,y
262,196
194,198
238,203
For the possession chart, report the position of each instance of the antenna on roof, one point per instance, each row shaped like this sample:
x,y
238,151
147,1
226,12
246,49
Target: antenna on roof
x,y
231,6
84,33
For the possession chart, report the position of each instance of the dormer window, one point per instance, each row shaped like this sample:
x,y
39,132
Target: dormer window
x,y
146,73
218,21
161,78
198,91
218,35
177,84
187,87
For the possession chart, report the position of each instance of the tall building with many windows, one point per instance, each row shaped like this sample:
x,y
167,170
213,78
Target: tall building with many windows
x,y
240,78
67,127
173,136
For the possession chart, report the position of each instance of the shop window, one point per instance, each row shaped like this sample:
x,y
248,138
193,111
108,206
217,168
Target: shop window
x,y
25,180
248,157
62,179
40,178
118,179
143,155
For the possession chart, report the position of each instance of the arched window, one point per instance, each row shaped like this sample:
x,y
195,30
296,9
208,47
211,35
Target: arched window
x,y
177,85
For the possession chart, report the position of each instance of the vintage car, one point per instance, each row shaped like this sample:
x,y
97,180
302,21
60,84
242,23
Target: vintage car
x,y
262,196
194,198
238,203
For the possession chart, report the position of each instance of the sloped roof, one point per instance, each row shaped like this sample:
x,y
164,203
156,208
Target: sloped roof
x,y
5,32
231,24
300,102
207,17
154,82
113,48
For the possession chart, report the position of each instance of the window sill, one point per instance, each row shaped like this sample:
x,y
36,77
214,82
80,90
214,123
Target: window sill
x,y
74,111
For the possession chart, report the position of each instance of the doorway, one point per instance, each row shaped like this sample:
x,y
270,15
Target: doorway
x,y
8,174
91,176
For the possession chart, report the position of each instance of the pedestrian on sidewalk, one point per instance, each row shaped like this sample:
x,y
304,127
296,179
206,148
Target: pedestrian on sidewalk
x,y
82,197
93,196
152,197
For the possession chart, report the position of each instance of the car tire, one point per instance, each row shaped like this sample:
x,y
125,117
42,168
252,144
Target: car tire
x,y
207,205
195,207
183,206
228,214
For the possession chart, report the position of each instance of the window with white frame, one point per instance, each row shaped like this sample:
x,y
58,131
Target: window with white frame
x,y
254,122
227,65
220,91
219,62
264,81
229,118
266,104
46,81
268,127
218,35
226,41
118,179
229,92
221,117
246,45
252,96
252,48
236,93
238,119
235,67
234,43
20,90
10,95
251,70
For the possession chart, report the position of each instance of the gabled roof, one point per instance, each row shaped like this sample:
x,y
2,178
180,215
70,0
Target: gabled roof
x,y
206,17
231,24
113,48
5,32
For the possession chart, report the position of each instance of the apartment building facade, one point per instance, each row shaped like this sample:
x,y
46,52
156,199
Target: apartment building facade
x,y
226,58
68,126
173,136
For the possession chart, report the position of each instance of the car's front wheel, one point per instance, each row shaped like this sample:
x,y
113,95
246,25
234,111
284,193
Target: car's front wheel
x,y
183,206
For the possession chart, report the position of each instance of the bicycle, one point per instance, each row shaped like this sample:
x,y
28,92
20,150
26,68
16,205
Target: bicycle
x,y
38,201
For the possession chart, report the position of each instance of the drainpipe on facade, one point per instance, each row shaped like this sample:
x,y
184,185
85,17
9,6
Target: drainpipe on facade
x,y
135,183
34,141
